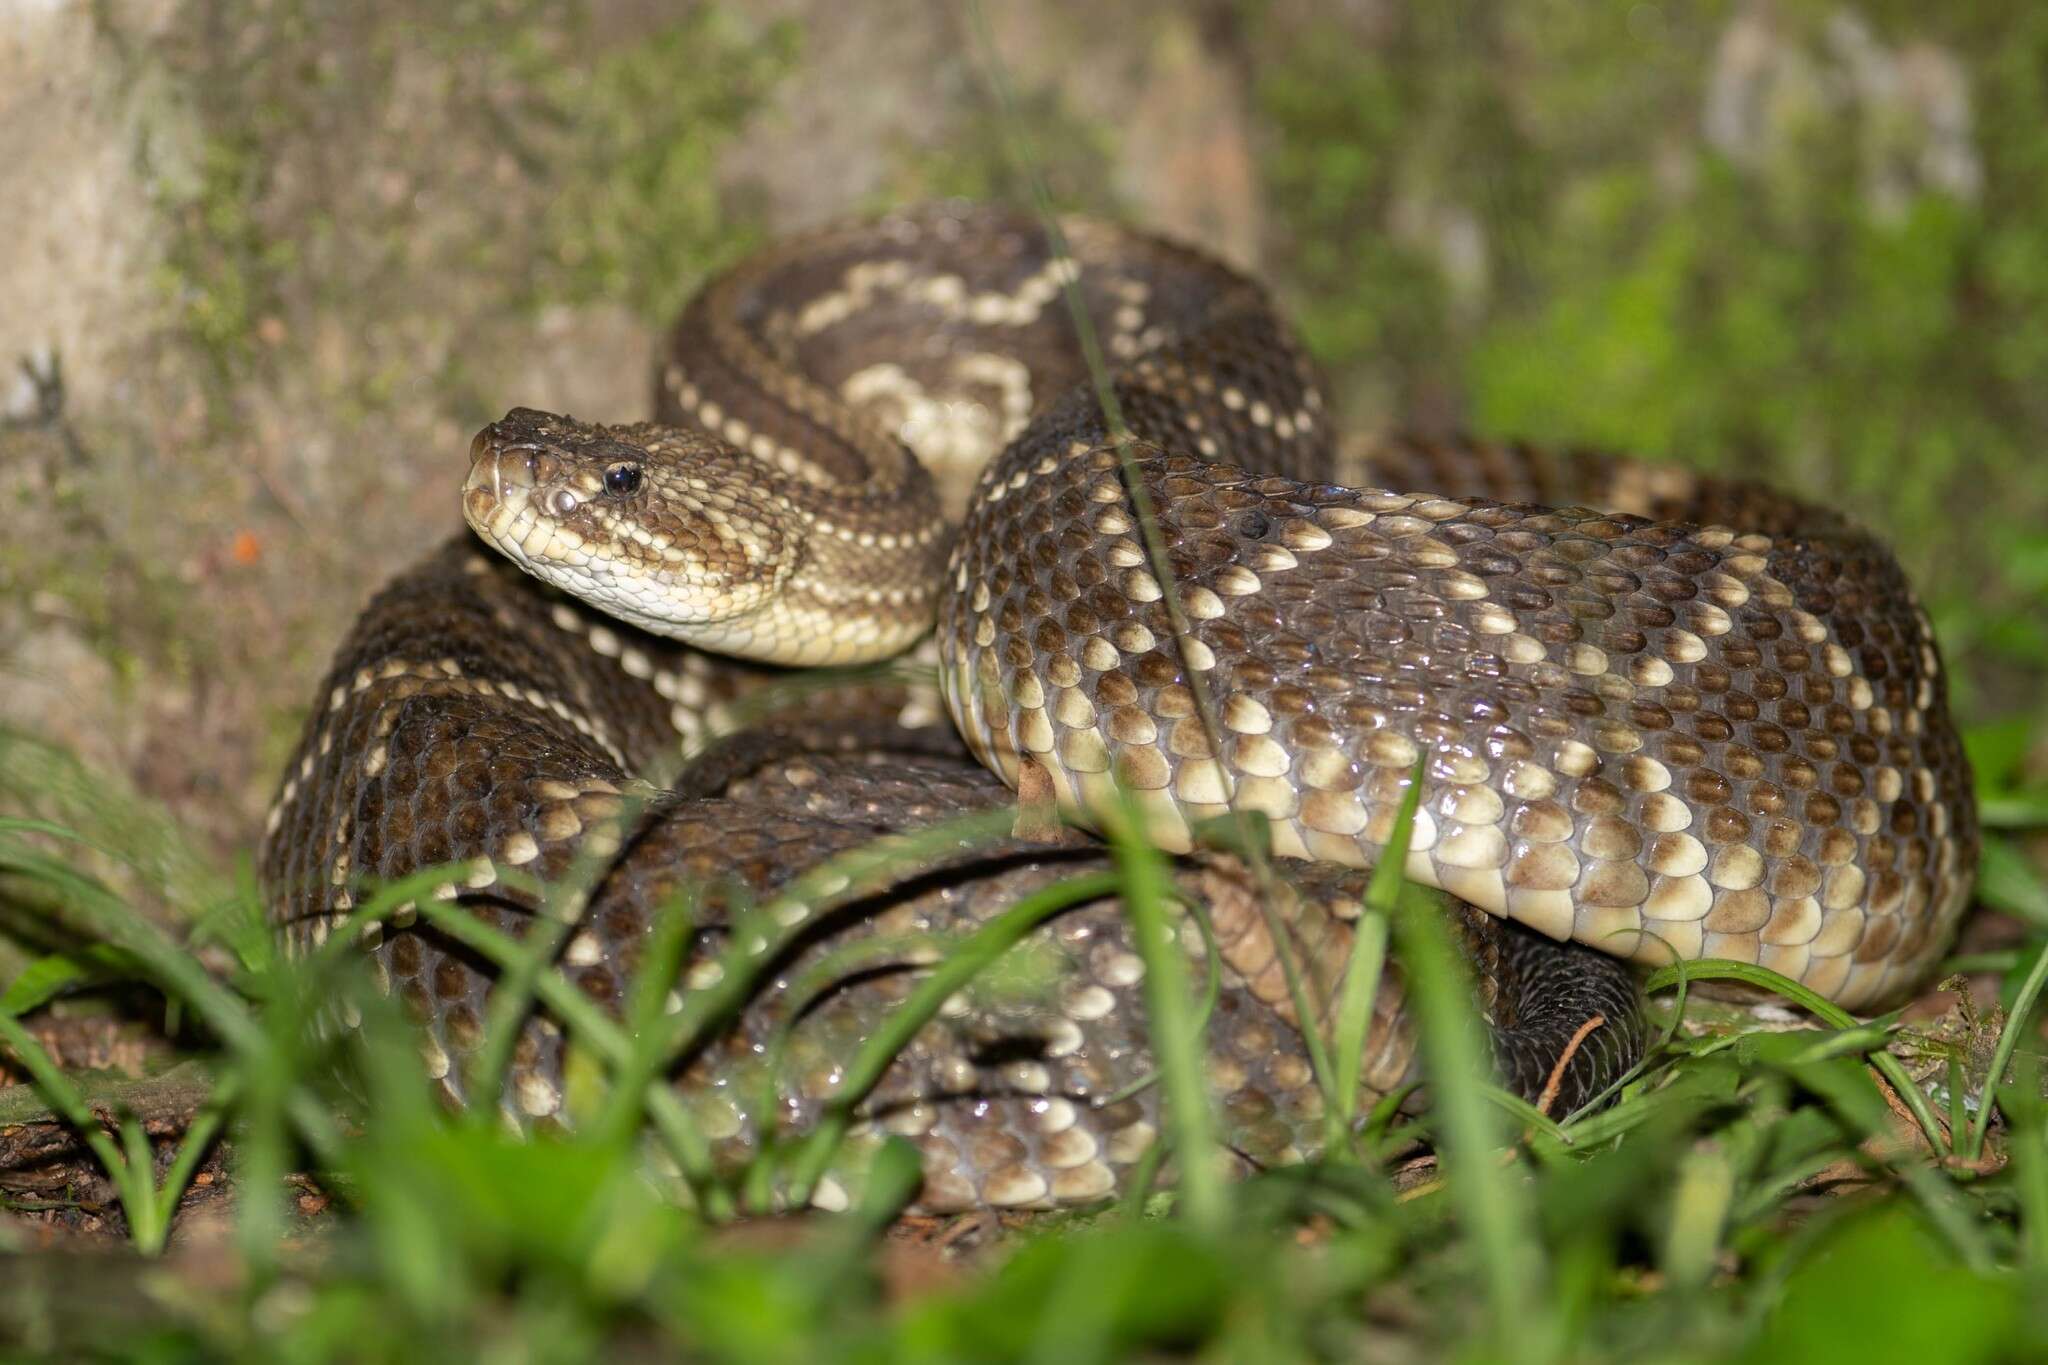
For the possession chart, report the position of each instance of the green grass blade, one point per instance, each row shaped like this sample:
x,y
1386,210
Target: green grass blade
x,y
2006,880
192,1149
1177,1041
132,1171
1699,1211
2028,1146
646,1001
148,1222
1827,1011
106,917
58,973
951,973
1492,1205
684,1140
2001,1056
2013,810
1368,959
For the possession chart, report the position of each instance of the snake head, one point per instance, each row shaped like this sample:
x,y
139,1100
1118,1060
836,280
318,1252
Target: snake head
x,y
665,528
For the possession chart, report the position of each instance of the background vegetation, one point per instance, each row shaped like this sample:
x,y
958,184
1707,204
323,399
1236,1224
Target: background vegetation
x,y
275,259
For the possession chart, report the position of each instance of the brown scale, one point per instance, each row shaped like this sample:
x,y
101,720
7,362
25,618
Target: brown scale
x,y
1516,472
464,775
1010,1097
1725,764
1608,705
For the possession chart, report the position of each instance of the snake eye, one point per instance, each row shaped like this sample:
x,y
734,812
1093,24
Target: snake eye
x,y
622,480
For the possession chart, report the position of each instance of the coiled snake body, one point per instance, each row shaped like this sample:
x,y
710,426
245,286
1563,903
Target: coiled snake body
x,y
1705,721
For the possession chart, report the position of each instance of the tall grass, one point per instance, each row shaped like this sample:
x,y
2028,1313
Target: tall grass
x,y
1697,1204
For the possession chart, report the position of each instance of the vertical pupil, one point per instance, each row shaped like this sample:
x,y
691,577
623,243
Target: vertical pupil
x,y
622,478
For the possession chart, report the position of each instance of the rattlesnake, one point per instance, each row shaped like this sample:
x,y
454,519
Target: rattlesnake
x,y
1716,728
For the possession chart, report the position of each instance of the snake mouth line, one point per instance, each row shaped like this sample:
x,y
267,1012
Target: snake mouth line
x,y
508,523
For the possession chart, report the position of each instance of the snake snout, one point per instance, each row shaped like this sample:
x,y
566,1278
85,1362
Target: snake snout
x,y
506,462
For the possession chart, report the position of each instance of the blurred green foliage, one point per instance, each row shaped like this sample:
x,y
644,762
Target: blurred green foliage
x,y
1804,242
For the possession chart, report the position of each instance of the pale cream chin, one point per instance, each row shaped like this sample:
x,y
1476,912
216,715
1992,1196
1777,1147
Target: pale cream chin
x,y
790,631
783,630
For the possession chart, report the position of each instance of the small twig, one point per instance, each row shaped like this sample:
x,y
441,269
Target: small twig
x,y
1571,1050
963,1227
46,381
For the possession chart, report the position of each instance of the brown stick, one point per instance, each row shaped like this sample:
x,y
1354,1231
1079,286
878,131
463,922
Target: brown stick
x,y
1571,1049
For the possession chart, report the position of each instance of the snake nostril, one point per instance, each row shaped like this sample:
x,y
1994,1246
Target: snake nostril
x,y
1254,525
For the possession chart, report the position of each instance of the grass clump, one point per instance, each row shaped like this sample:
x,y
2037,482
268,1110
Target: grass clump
x,y
1741,1188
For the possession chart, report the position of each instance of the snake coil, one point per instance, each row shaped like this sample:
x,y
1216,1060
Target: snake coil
x,y
1654,715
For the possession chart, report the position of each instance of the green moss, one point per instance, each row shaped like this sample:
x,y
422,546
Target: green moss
x,y
977,159
640,214
78,570
1370,305
221,268
338,155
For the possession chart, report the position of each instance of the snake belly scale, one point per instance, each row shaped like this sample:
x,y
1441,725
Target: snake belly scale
x,y
1655,716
